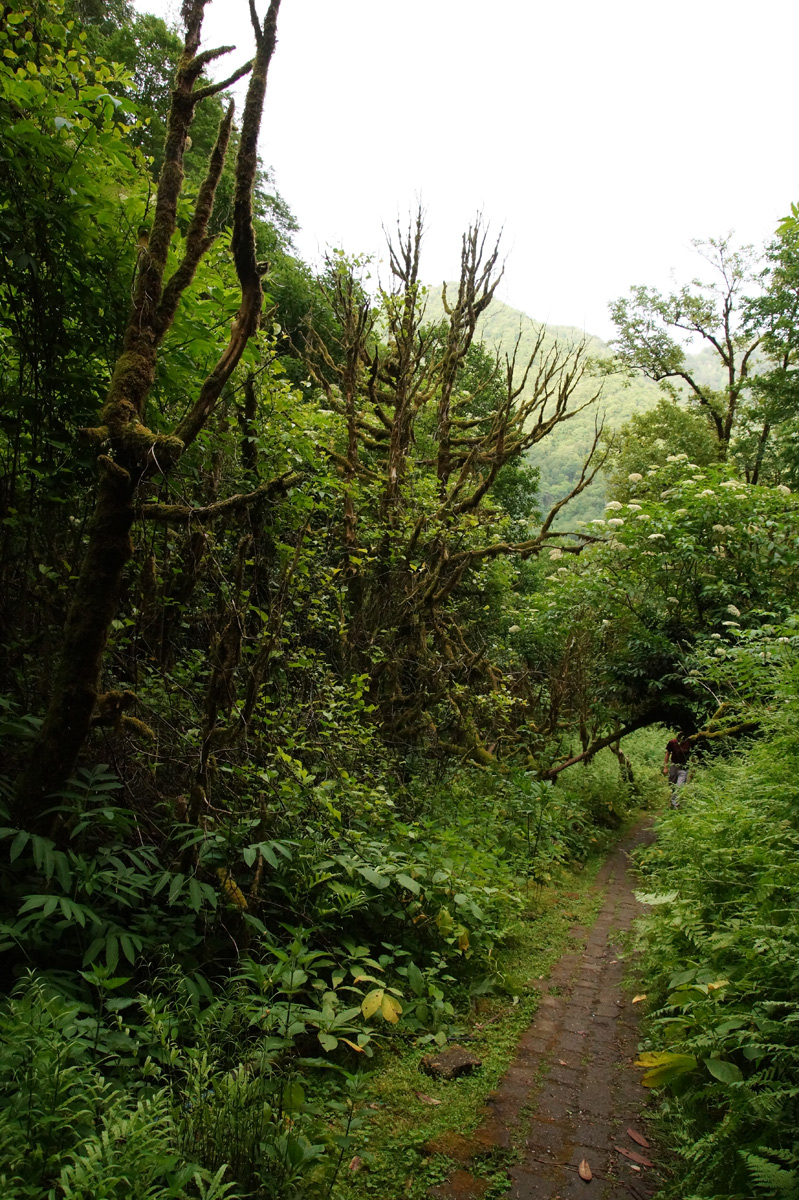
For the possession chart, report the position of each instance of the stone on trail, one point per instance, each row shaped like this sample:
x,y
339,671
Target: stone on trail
x,y
450,1063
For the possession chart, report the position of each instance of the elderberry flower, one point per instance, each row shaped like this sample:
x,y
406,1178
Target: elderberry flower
x,y
616,521
654,537
614,504
634,477
733,611
634,507
555,554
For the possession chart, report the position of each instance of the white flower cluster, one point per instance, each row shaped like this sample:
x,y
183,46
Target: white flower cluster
x,y
677,458
672,600
680,512
616,521
634,507
733,483
643,517
614,504
734,624
656,536
707,492
555,554
733,611
716,637
635,477
786,491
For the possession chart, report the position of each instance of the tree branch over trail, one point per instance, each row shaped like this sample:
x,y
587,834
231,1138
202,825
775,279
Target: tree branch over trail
x,y
130,451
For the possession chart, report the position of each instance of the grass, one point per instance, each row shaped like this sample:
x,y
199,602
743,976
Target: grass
x,y
400,1125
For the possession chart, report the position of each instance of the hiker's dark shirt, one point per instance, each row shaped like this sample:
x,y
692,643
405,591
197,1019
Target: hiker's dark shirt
x,y
679,751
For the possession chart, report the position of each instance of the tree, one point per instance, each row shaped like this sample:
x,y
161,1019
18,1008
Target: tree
x,y
128,451
624,636
430,423
772,447
649,327
648,440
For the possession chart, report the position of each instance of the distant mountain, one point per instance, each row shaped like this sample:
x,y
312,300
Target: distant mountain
x,y
560,456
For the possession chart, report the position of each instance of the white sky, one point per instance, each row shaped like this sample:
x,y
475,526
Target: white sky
x,y
603,136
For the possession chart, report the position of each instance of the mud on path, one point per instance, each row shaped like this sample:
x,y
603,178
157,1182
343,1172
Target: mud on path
x,y
572,1091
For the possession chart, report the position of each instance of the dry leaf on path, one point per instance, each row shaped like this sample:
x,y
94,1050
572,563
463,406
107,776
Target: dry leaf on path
x,y
639,1138
563,1062
639,1158
633,1167
356,1164
639,997
426,1099
584,1171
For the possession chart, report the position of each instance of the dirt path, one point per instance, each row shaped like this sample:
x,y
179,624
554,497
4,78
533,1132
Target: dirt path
x,y
583,1042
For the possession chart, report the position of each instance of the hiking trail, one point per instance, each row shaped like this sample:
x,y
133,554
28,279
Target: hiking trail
x,y
584,1041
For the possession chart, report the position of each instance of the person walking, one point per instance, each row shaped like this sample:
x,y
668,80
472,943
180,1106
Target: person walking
x,y
678,749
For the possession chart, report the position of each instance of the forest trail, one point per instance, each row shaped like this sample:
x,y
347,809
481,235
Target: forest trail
x,y
583,1041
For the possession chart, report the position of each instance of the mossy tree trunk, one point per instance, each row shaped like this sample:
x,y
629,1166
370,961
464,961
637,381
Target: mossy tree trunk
x,y
128,451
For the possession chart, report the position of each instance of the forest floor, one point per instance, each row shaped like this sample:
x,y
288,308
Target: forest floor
x,y
572,1094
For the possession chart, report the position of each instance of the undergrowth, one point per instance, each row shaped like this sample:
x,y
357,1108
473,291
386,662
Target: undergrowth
x,y
721,948
194,1009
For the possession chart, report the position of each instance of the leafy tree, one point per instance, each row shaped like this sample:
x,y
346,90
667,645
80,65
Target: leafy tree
x,y
648,440
649,328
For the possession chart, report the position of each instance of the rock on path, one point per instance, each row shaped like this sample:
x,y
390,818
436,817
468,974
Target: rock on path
x,y
585,1038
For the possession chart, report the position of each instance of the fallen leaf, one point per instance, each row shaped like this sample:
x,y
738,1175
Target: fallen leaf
x,y
427,1099
563,1062
639,1138
633,1167
584,1171
639,1158
356,1163
639,997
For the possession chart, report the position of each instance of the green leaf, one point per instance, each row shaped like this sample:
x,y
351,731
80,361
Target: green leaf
x,y
723,1070
18,844
408,883
415,979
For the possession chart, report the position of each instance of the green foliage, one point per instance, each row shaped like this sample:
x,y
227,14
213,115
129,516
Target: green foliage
x,y
720,950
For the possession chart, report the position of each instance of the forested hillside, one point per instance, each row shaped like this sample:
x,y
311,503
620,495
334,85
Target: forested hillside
x,y
314,698
501,328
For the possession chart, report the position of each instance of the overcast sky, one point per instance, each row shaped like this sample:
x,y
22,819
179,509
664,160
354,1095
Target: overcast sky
x,y
603,137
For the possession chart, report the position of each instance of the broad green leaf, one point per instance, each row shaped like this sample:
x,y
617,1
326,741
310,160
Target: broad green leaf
x,y
723,1070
